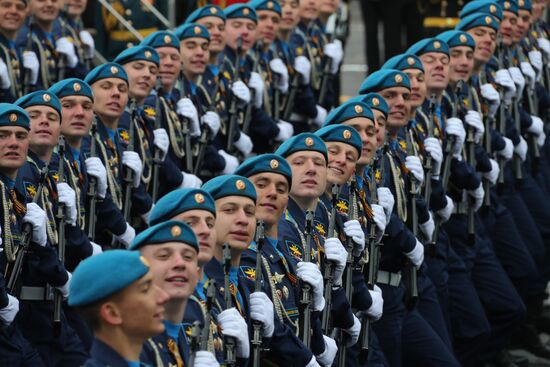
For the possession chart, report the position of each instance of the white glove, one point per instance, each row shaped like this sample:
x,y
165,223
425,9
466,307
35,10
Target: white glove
x,y
433,146
320,117
261,309
377,307
212,120
88,41
428,228
303,67
508,151
244,144
310,273
473,119
518,79
379,217
529,73
541,139
327,357
537,127
386,199
414,165
96,249
133,162
492,175
96,169
30,62
161,141
491,95
145,216
205,358
8,313
417,254
535,58
190,181
521,149
353,229
66,47
504,79
231,162
313,363
5,81
456,127
353,332
64,289
241,91
37,218
127,237
336,252
232,324
336,53
67,196
445,213
286,130
255,82
544,46
478,195
186,108
278,67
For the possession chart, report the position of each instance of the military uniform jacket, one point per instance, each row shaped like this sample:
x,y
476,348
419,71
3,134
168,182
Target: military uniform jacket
x,y
102,355
11,55
156,350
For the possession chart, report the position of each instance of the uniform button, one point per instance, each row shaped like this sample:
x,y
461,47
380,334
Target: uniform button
x,y
129,45
130,22
128,12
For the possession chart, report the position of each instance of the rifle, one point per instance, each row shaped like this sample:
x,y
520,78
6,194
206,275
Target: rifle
x,y
327,76
294,85
471,159
194,343
329,265
248,112
428,164
62,62
14,281
60,216
200,336
129,174
185,131
27,85
412,290
229,341
92,184
502,114
306,291
157,161
256,325
276,97
233,105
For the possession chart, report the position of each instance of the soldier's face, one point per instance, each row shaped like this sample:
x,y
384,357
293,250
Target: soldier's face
x,y
329,6
342,158
367,131
77,113
538,8
45,126
485,38
110,97
240,27
462,64
268,25
45,10
14,144
170,64
309,174
76,7
436,71
174,267
309,9
522,27
290,18
202,222
236,221
271,196
12,15
397,99
194,55
508,27
142,76
418,86
381,122
216,28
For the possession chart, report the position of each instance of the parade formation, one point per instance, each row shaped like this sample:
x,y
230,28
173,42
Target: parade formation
x,y
200,195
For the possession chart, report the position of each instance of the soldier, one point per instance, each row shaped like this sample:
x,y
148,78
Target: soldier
x,y
114,292
213,19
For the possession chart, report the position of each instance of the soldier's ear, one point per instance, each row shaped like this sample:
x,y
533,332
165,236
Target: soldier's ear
x,y
110,314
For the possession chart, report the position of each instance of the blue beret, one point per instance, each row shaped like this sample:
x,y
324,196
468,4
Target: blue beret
x,y
40,98
169,231
191,30
272,163
272,5
457,38
525,5
161,39
105,71
13,115
347,111
374,101
179,201
383,79
72,87
403,62
509,5
230,185
205,11
136,53
103,275
428,45
302,142
482,6
341,134
240,11
478,20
